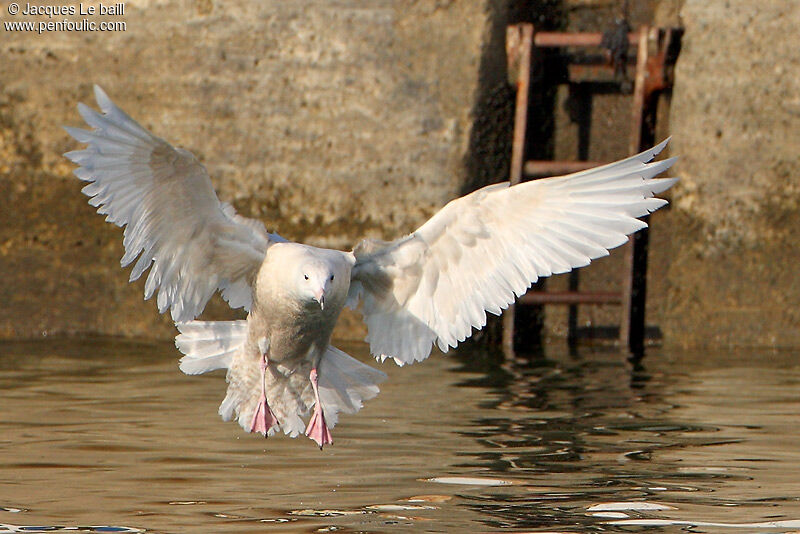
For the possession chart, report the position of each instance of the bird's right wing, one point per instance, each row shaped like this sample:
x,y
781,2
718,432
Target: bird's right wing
x,y
173,219
481,250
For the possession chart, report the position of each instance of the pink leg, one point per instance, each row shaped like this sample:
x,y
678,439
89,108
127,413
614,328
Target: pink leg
x,y
317,429
263,419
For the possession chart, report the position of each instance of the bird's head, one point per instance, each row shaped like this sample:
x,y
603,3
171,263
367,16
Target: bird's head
x,y
304,276
315,280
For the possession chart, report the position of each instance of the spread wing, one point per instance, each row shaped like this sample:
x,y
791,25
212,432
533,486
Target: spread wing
x,y
481,250
173,220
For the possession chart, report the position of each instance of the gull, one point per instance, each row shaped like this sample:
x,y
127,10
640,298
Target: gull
x,y
433,286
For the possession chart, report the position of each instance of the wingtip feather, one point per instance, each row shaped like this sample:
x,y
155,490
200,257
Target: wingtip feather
x,y
659,185
79,134
660,146
668,162
86,112
102,99
73,155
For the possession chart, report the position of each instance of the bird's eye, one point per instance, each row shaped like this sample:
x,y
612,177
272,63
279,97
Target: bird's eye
x,y
305,276
331,278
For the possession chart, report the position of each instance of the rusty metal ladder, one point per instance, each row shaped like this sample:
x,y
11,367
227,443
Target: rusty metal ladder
x,y
655,55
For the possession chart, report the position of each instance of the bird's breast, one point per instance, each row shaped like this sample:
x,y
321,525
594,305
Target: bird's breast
x,y
293,336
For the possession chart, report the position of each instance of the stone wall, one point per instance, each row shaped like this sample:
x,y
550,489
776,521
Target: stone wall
x,y
329,121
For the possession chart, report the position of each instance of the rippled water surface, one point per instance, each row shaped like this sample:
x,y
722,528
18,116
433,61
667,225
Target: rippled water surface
x,y
108,436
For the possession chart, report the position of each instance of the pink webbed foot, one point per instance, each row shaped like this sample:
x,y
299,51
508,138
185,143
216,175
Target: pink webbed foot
x,y
317,429
263,418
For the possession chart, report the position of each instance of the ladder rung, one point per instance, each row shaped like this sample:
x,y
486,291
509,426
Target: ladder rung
x,y
571,297
556,39
557,168
597,73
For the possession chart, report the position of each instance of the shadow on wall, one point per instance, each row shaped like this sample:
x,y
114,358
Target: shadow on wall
x,y
489,151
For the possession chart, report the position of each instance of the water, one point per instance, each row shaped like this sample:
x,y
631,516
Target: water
x,y
108,436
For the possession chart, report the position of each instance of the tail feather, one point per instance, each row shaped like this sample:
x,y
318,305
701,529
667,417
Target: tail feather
x,y
227,410
209,345
345,383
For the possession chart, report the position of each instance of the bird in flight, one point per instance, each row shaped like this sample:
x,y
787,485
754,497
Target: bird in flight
x,y
431,287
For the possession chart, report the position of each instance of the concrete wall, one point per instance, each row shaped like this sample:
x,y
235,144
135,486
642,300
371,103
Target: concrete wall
x,y
328,120
734,273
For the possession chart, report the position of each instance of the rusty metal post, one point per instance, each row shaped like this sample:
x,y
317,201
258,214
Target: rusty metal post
x,y
631,331
519,42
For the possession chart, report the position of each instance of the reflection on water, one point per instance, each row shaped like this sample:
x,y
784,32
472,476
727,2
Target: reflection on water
x,y
103,432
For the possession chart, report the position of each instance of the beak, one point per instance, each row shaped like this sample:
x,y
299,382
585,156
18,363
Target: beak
x,y
319,296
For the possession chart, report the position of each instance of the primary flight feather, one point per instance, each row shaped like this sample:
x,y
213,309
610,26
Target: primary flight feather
x,y
432,287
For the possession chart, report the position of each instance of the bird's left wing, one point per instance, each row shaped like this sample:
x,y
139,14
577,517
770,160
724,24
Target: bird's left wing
x,y
481,250
173,219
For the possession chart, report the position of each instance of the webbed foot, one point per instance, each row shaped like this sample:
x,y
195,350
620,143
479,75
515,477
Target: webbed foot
x,y
317,429
263,418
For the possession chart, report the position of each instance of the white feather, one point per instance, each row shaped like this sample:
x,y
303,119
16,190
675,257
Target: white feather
x,y
209,345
